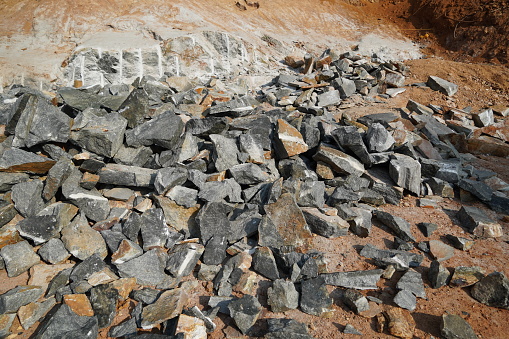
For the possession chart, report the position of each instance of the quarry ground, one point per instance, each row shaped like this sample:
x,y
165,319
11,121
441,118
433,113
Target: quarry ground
x,y
31,39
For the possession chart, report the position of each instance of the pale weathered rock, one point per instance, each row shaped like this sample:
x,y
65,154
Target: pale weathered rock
x,y
400,323
466,276
340,162
378,138
444,86
167,306
288,141
81,240
29,314
79,304
440,251
192,327
406,172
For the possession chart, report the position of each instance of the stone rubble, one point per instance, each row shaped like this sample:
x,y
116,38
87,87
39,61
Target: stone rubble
x,y
141,189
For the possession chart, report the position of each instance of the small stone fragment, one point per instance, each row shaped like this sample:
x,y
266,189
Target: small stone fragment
x,y
361,280
401,324
53,251
440,251
465,276
265,263
79,304
18,258
288,140
340,162
148,269
405,299
325,225
460,243
167,306
245,311
438,275
282,296
192,327
355,300
492,290
349,329
427,228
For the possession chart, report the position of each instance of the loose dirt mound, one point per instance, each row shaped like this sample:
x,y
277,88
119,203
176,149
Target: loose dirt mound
x,y
479,28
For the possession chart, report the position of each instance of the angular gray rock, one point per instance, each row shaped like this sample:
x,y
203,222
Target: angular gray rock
x,y
122,175
412,281
398,225
99,134
349,329
349,137
355,300
311,194
64,323
236,107
438,275
360,280
37,121
132,156
378,138
282,296
315,299
56,177
405,299
245,311
27,197
125,329
463,244
169,177
427,228
148,269
18,258
135,107
484,118
183,196
39,229
361,224
455,327
492,290
329,98
346,87
53,251
34,312
406,172
328,226
478,223
248,174
87,268
340,162
444,86
182,259
19,296
164,130
81,240
225,153
7,180
280,328
18,160
103,299
401,259
440,251
264,263
478,188
154,231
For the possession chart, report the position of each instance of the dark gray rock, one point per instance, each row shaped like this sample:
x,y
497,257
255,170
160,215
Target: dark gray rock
x,y
478,188
444,86
438,275
248,174
19,296
403,258
349,138
418,108
131,226
398,225
206,126
349,329
361,280
99,134
127,328
182,259
225,153
378,139
164,130
250,145
91,203
56,177
412,281
343,194
113,238
406,172
346,87
315,299
265,263
223,282
499,202
148,269
221,303
132,156
213,220
340,162
121,175
7,212
154,231
87,267
53,251
282,296
169,177
135,107
18,258
244,222
455,327
245,311
27,197
183,196
60,280
36,121
237,107
492,290
361,224
64,323
427,228
355,300
7,180
286,328
460,243
449,171
215,250
311,194
39,229
405,299
103,299
325,225
146,295
18,160
441,187
478,223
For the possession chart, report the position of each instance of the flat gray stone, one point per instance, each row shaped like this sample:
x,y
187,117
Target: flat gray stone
x,y
169,177
121,175
27,197
7,180
398,225
405,299
329,98
412,281
183,196
182,259
406,172
315,299
402,260
444,86
18,160
39,229
248,174
81,240
148,269
340,162
154,231
225,152
361,280
18,258
455,327
478,223
12,300
53,251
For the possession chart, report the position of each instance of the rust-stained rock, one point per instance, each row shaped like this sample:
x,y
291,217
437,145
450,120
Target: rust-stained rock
x,y
167,306
466,276
401,324
126,251
179,217
124,286
17,160
288,141
193,328
286,221
79,304
9,235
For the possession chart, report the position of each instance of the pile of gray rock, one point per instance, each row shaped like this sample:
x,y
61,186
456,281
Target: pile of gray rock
x,y
122,193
